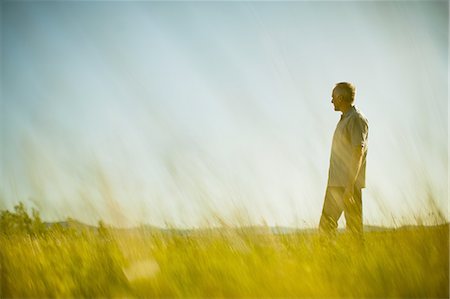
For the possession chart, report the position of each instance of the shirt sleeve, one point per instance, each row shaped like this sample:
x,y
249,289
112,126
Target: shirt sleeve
x,y
358,129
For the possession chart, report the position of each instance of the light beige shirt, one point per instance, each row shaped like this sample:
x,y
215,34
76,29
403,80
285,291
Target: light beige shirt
x,y
351,131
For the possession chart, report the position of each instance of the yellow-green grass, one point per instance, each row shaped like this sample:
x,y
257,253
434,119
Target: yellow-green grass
x,y
224,263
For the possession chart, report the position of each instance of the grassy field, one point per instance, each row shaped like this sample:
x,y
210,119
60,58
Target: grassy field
x,y
57,261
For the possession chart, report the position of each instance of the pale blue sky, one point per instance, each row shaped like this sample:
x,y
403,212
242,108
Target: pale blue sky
x,y
173,111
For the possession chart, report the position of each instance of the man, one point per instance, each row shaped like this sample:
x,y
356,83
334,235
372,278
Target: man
x,y
347,171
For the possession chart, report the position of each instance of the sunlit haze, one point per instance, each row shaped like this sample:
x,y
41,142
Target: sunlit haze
x,y
181,113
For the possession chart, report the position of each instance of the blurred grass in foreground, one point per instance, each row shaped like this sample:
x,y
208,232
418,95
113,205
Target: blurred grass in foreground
x,y
73,260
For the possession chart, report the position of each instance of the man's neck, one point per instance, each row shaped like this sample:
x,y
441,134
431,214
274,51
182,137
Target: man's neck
x,y
346,109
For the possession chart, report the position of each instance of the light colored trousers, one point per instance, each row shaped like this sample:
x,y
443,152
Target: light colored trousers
x,y
333,207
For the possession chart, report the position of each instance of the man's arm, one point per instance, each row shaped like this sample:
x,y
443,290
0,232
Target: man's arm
x,y
354,167
358,128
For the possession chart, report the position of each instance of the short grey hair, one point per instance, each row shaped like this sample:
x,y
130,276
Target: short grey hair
x,y
347,90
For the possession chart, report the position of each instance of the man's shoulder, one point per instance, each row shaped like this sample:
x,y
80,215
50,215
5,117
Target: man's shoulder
x,y
359,116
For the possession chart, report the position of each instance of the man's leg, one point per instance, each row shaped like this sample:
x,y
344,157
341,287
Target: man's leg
x,y
353,215
331,212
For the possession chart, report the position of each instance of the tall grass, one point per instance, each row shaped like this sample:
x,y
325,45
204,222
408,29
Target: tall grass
x,y
226,262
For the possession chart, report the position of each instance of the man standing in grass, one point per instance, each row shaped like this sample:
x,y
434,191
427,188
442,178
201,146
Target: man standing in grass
x,y
347,171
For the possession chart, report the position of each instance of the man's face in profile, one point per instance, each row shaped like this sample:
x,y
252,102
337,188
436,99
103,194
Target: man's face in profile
x,y
336,100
